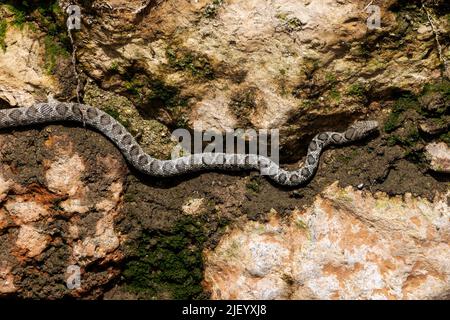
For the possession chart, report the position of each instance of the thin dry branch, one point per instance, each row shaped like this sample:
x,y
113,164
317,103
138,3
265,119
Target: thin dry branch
x,y
438,43
74,64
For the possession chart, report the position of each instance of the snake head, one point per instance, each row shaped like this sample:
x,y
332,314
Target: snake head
x,y
362,129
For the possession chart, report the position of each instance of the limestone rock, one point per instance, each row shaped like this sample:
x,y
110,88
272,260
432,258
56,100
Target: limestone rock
x,y
64,213
24,58
287,64
433,127
194,206
348,245
22,71
439,156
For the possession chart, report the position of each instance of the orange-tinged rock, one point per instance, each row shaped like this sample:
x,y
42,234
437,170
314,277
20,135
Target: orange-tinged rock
x,y
347,245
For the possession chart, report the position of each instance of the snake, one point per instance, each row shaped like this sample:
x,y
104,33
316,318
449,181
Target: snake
x,y
55,111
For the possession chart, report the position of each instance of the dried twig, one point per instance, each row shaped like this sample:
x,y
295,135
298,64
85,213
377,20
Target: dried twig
x,y
370,3
74,64
436,36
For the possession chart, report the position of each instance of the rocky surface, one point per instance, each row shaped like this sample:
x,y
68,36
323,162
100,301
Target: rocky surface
x,y
22,72
57,213
348,244
67,198
33,61
292,65
439,156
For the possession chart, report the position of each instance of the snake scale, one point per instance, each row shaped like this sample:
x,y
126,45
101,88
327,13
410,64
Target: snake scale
x,y
43,113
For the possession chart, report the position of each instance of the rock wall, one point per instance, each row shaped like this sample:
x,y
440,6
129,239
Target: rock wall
x,y
58,205
67,197
347,245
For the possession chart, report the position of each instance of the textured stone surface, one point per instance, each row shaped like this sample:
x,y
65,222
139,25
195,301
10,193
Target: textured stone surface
x,y
194,206
23,79
439,156
154,137
65,211
272,63
300,66
26,77
348,245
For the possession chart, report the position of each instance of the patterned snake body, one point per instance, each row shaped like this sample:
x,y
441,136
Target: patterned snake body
x,y
58,111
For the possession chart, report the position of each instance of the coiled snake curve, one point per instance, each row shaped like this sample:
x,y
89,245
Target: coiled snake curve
x,y
54,111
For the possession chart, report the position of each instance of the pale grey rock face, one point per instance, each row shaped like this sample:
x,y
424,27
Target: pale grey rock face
x,y
438,155
348,245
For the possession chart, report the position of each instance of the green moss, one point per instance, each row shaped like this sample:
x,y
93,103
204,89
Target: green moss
x,y
330,78
335,95
301,224
53,51
364,51
409,140
440,122
3,29
114,67
50,19
415,156
116,115
446,138
19,15
392,122
310,66
394,140
169,265
253,185
406,102
182,121
294,23
441,88
402,104
412,137
357,90
196,64
46,14
282,16
331,82
348,157
134,87
129,197
152,94
112,112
